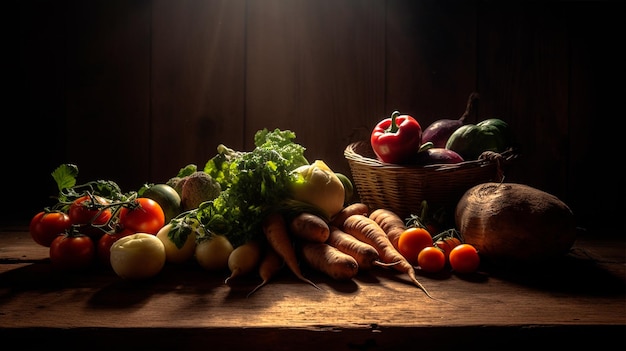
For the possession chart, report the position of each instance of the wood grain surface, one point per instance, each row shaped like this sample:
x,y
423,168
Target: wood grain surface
x,y
579,301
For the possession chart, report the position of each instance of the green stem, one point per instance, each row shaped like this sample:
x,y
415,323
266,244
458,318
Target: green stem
x,y
393,127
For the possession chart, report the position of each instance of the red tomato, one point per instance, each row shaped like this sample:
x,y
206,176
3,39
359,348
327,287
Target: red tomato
x,y
90,213
431,259
143,216
72,252
412,241
45,226
464,258
104,245
89,209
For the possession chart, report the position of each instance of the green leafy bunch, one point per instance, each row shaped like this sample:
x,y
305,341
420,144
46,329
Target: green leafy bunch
x,y
253,183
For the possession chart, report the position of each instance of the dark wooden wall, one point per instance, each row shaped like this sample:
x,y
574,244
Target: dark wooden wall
x,y
132,91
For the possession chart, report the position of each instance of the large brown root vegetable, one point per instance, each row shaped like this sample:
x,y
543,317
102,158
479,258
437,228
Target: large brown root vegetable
x,y
515,222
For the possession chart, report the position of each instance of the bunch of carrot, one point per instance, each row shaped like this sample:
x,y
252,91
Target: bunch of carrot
x,y
352,240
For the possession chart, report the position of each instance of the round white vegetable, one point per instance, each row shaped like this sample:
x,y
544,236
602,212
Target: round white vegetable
x,y
212,254
138,256
173,253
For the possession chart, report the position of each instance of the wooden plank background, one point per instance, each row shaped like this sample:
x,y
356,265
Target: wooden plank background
x,y
132,91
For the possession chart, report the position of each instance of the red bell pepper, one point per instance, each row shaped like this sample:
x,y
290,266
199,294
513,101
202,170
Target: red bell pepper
x,y
396,139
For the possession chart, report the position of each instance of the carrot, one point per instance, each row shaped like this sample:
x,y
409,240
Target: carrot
x,y
243,259
329,260
367,230
364,254
277,234
271,264
309,227
355,208
390,222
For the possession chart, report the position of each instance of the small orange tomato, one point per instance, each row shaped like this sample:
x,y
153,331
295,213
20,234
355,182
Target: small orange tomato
x,y
412,241
464,258
447,244
431,259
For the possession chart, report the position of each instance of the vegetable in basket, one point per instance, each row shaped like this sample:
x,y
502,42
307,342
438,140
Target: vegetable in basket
x,y
440,130
396,139
430,155
470,140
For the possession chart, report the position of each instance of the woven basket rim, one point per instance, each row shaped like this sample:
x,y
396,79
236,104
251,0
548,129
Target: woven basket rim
x,y
403,188
359,151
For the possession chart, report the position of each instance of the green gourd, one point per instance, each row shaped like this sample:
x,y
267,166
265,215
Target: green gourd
x,y
471,140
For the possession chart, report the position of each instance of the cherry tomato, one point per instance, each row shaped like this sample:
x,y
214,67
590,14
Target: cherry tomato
x,y
412,241
447,244
45,226
464,258
89,212
144,216
103,248
72,252
431,259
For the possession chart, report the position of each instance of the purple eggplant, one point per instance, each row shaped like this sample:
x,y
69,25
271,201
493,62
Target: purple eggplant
x,y
439,131
437,155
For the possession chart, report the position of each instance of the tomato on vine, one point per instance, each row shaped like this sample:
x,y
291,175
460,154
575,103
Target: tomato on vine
x,y
143,215
47,225
447,244
72,252
92,213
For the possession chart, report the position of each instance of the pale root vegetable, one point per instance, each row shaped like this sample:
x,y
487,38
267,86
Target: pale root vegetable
x,y
364,254
309,227
355,208
515,222
270,265
244,259
137,256
212,253
367,230
173,252
277,235
328,259
390,222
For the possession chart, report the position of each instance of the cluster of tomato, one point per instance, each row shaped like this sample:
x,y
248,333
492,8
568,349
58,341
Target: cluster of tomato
x,y
433,253
82,235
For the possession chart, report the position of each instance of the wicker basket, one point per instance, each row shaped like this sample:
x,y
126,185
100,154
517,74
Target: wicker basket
x,y
402,188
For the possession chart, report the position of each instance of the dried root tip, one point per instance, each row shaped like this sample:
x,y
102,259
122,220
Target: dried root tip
x,y
419,285
309,282
383,264
256,288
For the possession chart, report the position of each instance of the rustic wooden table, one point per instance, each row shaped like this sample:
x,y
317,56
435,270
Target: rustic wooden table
x,y
576,303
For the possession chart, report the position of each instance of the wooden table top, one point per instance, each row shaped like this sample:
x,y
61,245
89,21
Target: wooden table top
x,y
578,301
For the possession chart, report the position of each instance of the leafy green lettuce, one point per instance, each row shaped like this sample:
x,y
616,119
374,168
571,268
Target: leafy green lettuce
x,y
253,183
